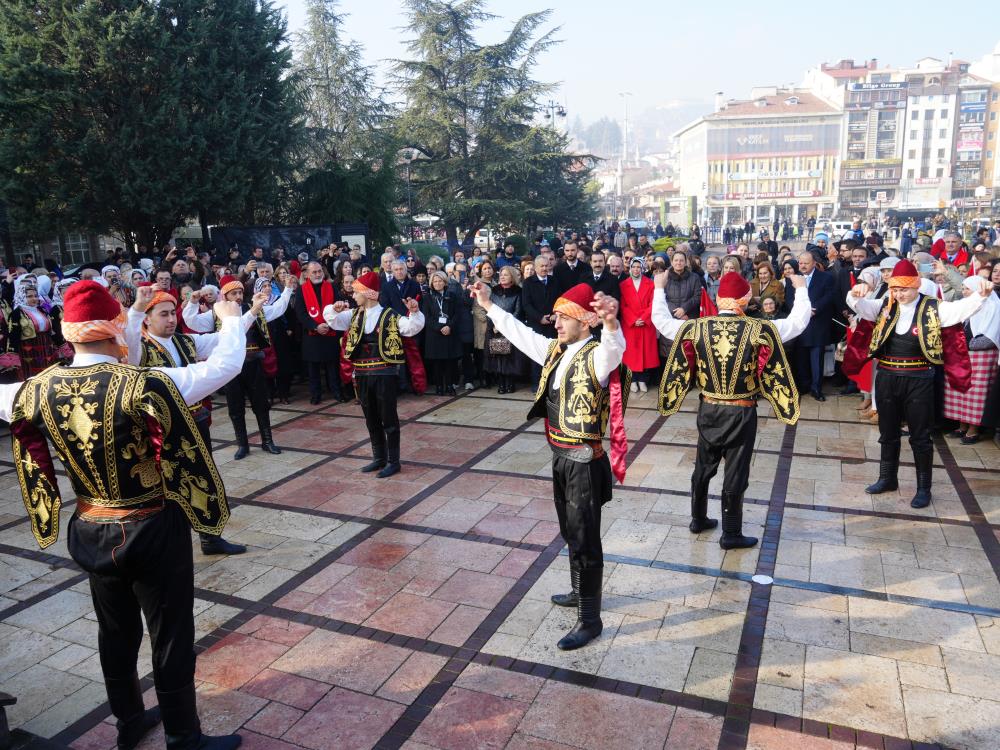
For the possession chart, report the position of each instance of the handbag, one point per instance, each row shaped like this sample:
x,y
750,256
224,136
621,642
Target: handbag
x,y
499,345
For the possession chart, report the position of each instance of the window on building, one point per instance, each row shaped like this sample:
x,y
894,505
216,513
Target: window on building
x,y
77,248
989,136
914,115
993,115
924,172
940,172
995,96
929,114
944,113
943,133
940,153
911,154
909,174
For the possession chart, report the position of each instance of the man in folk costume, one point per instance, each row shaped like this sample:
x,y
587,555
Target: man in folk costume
x,y
251,381
583,387
374,346
154,341
913,332
734,359
143,477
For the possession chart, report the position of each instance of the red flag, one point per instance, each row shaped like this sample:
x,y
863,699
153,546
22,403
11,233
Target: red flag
x,y
707,306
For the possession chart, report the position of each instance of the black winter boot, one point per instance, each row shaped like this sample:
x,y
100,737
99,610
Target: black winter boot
x,y
242,441
924,462
572,599
699,511
182,727
588,619
216,545
125,699
392,454
378,457
266,438
888,470
732,524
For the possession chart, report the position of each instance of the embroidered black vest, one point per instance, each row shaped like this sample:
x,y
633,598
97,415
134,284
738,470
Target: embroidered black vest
x,y
125,437
579,409
927,334
385,345
723,353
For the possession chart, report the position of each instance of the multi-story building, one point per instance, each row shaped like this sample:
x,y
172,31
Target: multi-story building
x,y
988,68
928,147
773,156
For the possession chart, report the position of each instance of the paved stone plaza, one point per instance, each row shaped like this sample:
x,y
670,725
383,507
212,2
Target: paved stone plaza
x,y
413,612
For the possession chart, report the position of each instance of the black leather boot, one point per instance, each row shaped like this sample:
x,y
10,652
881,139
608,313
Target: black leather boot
x,y
125,699
216,545
392,451
699,511
924,462
572,599
266,439
588,618
378,457
242,441
182,727
732,524
888,469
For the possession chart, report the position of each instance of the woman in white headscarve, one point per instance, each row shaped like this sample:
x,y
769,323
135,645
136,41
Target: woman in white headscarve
x,y
983,333
120,290
34,334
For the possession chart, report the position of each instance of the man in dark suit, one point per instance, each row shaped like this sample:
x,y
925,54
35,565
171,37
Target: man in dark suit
x,y
601,280
538,294
570,271
812,342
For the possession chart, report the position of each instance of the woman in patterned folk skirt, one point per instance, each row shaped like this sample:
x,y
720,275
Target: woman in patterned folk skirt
x,y
34,334
983,333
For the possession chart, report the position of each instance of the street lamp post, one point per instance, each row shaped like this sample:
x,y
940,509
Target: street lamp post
x,y
554,109
625,95
408,155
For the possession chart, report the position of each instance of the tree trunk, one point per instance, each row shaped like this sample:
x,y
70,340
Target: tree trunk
x,y
451,235
206,241
5,238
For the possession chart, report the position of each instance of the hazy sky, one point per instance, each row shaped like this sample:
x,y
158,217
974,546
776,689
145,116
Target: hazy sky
x,y
685,52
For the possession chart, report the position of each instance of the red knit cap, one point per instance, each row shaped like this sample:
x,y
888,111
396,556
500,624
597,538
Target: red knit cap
x,y
368,284
87,300
575,303
904,274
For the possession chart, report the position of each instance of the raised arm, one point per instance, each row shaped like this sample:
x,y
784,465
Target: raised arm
x,y
201,379
338,316
959,311
280,305
608,354
665,323
533,345
8,392
133,332
203,322
413,323
866,309
798,319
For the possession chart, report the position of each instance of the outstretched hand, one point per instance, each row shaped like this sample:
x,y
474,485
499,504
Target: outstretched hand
x,y
480,291
799,281
859,290
660,279
412,306
143,296
606,308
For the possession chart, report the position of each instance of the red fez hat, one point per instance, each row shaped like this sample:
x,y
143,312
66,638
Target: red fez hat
x,y
229,284
733,286
904,274
368,284
87,301
575,303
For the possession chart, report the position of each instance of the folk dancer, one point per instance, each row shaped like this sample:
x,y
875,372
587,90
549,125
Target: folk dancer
x,y
143,477
583,387
913,333
251,382
734,359
154,341
375,348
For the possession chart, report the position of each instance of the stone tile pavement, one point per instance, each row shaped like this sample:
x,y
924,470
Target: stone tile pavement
x,y
414,612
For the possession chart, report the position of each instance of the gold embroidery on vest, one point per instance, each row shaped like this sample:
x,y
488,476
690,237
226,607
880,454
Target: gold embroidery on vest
x,y
391,344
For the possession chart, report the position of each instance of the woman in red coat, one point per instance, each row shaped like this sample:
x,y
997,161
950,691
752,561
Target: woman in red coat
x,y
641,353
